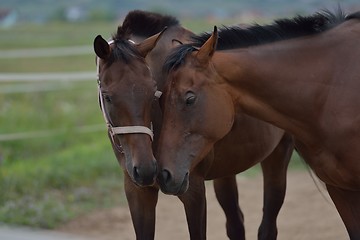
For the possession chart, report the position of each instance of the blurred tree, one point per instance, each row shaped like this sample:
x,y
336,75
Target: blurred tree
x,y
59,15
101,15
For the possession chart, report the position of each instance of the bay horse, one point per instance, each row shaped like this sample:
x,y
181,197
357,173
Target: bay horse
x,y
127,96
300,74
127,72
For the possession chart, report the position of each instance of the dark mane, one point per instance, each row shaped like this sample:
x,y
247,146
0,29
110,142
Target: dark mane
x,y
281,29
146,24
139,23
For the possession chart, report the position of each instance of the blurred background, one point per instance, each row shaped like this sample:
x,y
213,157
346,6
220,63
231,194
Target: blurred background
x,y
56,162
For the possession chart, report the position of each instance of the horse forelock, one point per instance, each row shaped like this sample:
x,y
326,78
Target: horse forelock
x,y
177,57
123,49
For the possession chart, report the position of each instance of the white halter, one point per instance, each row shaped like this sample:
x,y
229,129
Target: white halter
x,y
126,129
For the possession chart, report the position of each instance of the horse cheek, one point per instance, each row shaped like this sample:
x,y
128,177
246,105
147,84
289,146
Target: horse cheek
x,y
222,116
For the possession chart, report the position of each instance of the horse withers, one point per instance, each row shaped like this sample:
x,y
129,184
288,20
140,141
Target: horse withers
x,y
299,74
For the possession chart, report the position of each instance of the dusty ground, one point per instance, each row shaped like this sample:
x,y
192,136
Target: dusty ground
x,y
306,215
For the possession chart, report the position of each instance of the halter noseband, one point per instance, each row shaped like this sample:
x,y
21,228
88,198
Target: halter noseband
x,y
120,130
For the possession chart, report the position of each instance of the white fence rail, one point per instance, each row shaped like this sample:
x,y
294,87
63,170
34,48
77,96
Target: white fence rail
x,y
49,133
35,77
52,78
46,52
30,87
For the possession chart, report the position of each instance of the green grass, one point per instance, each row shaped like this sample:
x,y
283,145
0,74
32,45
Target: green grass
x,y
44,192
46,181
53,35
50,110
66,64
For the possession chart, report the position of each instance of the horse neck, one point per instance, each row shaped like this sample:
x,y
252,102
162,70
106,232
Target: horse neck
x,y
267,83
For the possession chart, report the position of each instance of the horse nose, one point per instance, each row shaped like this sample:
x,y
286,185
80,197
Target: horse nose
x,y
145,176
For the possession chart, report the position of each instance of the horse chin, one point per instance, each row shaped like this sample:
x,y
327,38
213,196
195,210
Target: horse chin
x,y
176,189
184,185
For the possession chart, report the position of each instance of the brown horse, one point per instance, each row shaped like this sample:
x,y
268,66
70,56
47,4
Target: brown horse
x,y
127,92
299,74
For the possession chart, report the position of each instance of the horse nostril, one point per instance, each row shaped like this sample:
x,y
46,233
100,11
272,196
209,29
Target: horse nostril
x,y
144,176
136,173
165,176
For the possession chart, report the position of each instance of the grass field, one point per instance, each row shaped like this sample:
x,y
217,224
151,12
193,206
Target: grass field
x,y
46,181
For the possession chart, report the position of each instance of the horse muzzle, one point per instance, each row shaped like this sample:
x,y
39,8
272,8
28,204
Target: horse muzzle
x,y
169,185
142,174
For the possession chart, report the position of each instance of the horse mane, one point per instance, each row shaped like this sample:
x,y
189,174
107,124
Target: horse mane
x,y
280,29
139,23
146,24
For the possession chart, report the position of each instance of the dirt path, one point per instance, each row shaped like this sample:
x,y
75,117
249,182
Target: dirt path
x,y
306,215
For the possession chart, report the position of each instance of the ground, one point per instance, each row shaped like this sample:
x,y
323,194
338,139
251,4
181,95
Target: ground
x,y
307,214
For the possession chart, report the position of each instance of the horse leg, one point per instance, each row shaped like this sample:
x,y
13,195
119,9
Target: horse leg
x,y
348,205
274,169
227,194
194,201
142,204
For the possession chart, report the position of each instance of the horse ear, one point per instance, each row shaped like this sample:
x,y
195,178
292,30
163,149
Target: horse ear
x,y
101,47
148,44
208,48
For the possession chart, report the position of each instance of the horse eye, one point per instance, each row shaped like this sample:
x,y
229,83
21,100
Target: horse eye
x,y
190,98
107,98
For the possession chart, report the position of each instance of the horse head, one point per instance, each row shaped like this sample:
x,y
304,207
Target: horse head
x,y
197,113
126,93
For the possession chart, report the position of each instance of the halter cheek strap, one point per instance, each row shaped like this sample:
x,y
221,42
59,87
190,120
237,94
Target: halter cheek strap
x,y
125,129
122,130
